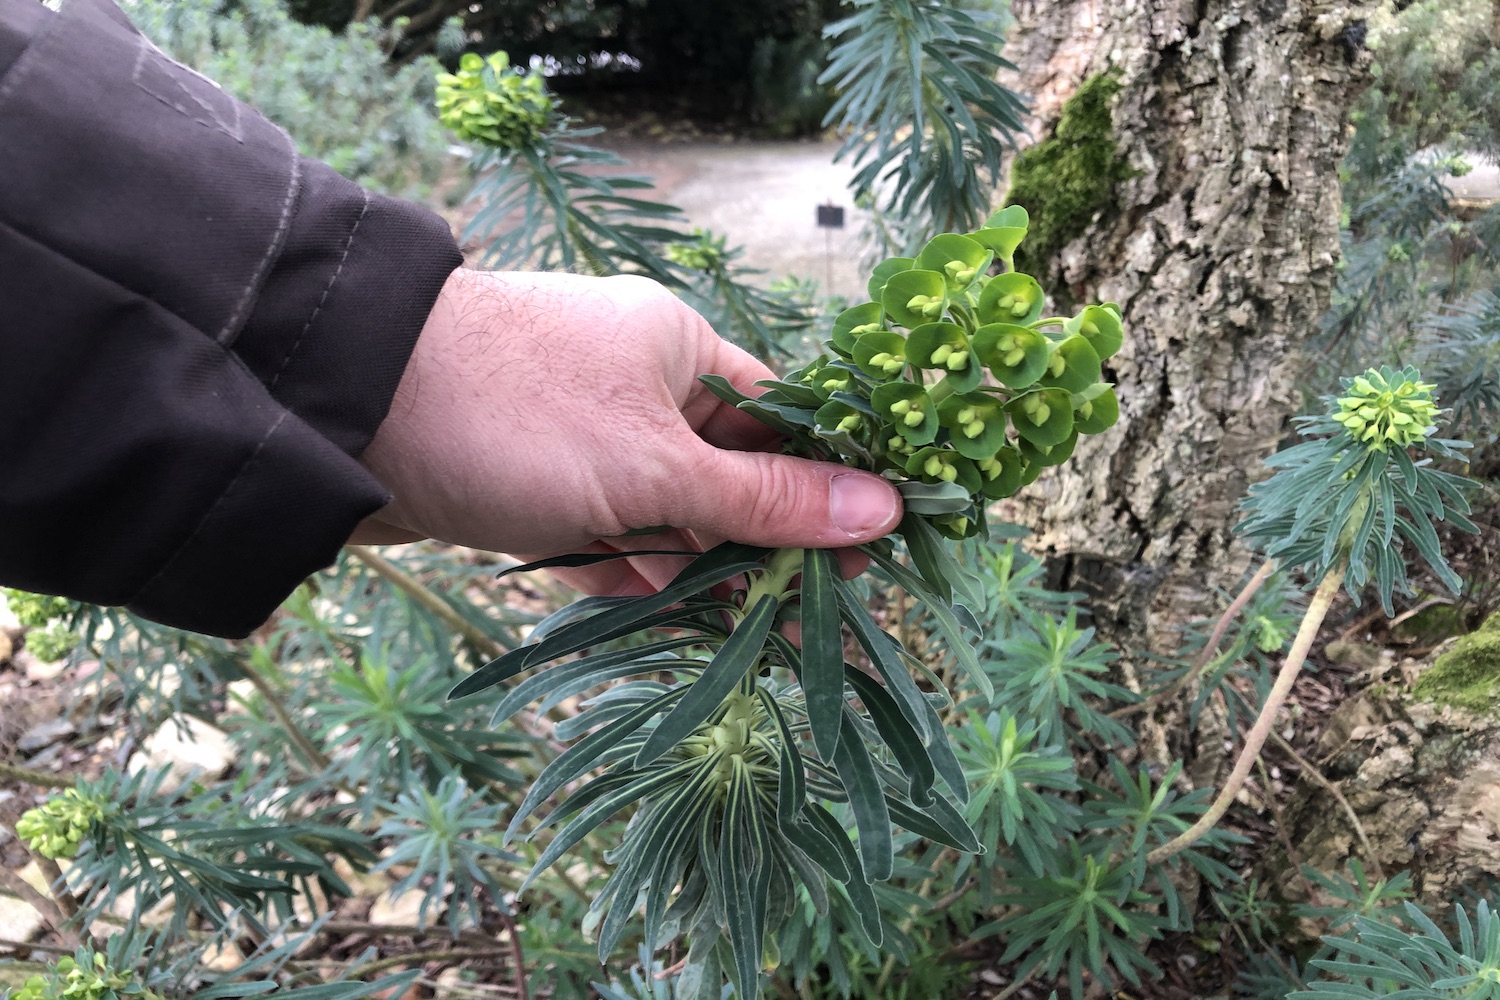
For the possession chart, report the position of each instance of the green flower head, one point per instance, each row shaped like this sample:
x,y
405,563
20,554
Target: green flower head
x,y
704,255
1386,407
55,828
490,102
80,979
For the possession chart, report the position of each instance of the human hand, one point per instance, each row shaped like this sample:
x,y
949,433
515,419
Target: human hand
x,y
546,413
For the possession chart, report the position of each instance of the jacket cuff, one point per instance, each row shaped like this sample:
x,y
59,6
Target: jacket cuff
x,y
246,554
335,323
214,328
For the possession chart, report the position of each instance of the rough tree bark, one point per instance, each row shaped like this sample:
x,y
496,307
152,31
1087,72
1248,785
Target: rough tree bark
x,y
1221,248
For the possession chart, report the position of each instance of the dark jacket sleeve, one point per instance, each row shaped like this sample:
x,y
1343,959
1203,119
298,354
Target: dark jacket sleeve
x,y
200,331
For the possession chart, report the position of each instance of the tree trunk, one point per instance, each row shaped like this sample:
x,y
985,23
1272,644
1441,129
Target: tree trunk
x,y
1220,247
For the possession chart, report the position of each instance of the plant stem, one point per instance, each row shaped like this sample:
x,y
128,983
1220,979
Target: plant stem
x,y
517,955
29,946
300,740
51,915
781,566
1206,655
436,955
1317,610
1310,771
10,772
421,594
66,904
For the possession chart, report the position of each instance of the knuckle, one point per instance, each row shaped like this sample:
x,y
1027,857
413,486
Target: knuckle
x,y
773,499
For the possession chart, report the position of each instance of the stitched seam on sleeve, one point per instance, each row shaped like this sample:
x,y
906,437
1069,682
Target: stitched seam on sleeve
x,y
344,257
198,528
207,115
31,57
273,247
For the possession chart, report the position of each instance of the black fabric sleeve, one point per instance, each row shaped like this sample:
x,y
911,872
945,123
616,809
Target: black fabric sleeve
x,y
199,331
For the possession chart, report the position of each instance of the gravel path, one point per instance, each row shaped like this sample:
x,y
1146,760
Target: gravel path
x,y
763,196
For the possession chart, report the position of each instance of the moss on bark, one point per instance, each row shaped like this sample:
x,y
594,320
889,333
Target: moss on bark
x,y
1064,181
1468,675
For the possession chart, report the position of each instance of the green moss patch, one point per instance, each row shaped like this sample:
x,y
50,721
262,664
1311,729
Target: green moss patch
x,y
1064,181
1468,675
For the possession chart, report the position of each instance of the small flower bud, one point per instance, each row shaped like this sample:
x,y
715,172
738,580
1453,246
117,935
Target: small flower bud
x,y
934,467
973,428
957,361
850,424
941,353
1014,358
913,419
901,406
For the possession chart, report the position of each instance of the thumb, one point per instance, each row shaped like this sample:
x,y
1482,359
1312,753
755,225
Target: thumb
x,y
784,502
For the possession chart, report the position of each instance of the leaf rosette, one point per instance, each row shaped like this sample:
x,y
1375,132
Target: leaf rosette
x,y
754,769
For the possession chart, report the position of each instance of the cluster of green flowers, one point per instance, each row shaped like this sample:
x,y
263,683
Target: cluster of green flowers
x,y
47,638
704,255
951,375
82,979
55,828
1384,407
491,102
36,610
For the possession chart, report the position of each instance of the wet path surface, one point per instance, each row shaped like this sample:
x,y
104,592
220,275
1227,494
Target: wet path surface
x,y
763,196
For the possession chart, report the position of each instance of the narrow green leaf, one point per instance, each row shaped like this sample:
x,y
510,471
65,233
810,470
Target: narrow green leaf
x,y
858,884
572,612
645,850
713,567
662,881
904,741
720,386
867,798
791,789
880,648
738,654
822,673
578,559
582,755
742,865
543,683
937,821
812,841
603,808
944,619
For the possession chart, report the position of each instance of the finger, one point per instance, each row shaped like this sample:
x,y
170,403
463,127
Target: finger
x,y
720,424
372,531
852,562
611,579
782,502
632,575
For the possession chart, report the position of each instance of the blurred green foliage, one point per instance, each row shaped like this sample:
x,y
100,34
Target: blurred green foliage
x,y
335,94
1421,268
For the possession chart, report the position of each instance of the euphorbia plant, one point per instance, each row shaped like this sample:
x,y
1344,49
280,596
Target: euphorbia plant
x,y
1339,508
952,384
